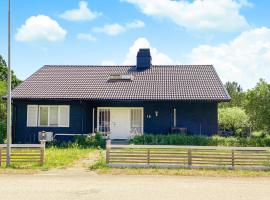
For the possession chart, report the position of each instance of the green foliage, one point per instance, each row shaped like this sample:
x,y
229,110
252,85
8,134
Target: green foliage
x,y
90,141
2,112
258,106
258,134
234,119
200,140
236,93
2,132
93,140
4,71
3,92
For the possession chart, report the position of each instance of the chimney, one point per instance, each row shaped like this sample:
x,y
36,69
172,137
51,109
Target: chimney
x,y
144,59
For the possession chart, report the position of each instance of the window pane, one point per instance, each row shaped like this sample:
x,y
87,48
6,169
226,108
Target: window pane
x,y
104,120
53,116
64,116
43,120
32,113
136,121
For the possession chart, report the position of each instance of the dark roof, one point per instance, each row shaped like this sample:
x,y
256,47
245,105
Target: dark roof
x,y
160,82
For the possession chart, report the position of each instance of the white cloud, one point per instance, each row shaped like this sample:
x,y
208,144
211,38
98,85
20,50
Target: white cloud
x,y
116,29
40,28
158,58
110,29
86,36
135,24
245,59
83,13
206,15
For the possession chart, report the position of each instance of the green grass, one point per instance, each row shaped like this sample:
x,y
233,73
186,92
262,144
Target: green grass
x,y
61,158
54,158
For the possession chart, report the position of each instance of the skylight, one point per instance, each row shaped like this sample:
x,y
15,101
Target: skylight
x,y
121,77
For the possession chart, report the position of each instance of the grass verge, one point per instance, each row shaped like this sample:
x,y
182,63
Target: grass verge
x,y
54,158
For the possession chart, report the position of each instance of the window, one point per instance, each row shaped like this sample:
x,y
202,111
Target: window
x,y
43,115
104,120
51,116
136,121
32,115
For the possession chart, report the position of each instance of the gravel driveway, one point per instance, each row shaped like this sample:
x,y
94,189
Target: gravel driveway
x,y
88,185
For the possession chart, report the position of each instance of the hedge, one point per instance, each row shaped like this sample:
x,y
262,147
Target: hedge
x,y
201,140
2,132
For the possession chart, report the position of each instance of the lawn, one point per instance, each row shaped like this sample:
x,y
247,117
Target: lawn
x,y
54,158
62,158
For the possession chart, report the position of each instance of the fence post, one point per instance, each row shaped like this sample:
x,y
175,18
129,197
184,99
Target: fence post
x,y
189,157
148,156
42,153
232,158
108,149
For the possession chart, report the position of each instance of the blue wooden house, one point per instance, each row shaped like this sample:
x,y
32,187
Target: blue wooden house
x,y
118,101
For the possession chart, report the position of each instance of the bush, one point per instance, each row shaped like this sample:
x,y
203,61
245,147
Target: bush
x,y
201,140
258,134
90,141
233,119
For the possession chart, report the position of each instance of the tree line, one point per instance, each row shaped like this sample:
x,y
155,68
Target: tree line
x,y
248,111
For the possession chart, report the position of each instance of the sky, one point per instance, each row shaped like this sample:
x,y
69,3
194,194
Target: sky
x,y
233,35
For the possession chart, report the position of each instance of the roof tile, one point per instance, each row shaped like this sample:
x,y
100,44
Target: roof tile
x,y
160,82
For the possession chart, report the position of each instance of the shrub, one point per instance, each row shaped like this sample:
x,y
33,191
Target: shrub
x,y
234,119
90,141
201,140
2,132
258,134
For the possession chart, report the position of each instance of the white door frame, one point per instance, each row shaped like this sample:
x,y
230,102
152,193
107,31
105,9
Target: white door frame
x,y
121,108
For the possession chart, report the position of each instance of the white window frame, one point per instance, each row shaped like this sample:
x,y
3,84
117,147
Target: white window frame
x,y
58,122
28,124
98,110
142,119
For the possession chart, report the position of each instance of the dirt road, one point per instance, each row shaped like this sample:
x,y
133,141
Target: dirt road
x,y
81,185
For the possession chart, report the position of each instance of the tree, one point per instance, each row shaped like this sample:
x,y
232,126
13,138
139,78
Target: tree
x,y
4,71
3,92
237,95
257,105
3,112
234,119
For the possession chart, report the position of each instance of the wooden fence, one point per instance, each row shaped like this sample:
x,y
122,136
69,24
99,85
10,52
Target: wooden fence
x,y
187,156
23,153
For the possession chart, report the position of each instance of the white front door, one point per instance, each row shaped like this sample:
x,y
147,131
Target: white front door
x,y
120,123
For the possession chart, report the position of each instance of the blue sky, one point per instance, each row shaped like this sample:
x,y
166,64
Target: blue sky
x,y
234,35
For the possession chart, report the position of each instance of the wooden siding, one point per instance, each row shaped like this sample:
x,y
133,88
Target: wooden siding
x,y
197,117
